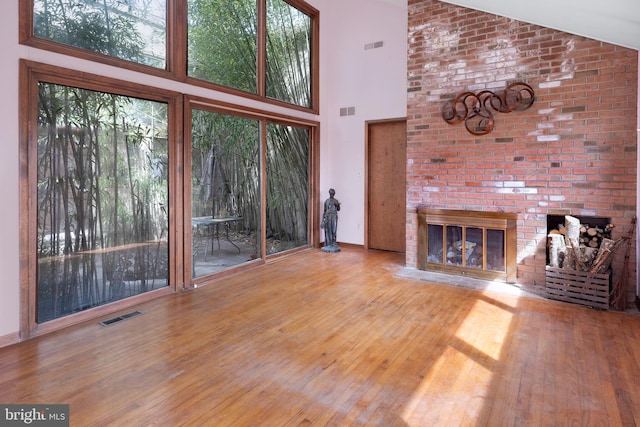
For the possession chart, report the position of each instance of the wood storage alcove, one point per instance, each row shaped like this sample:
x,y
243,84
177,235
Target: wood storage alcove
x,y
468,243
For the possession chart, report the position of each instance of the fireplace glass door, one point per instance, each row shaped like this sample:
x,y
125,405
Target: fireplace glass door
x,y
434,243
479,244
474,247
495,250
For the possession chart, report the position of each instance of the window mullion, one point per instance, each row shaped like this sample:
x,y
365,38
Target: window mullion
x,y
177,38
261,66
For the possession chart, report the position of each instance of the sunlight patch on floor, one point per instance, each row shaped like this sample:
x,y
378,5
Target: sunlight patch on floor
x,y
474,352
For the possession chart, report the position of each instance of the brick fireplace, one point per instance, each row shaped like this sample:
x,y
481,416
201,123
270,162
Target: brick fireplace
x,y
572,153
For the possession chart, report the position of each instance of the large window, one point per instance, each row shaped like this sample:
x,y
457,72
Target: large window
x,y
102,199
227,187
262,48
287,157
225,191
223,42
288,53
131,191
134,30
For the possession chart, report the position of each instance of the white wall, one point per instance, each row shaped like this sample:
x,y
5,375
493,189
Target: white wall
x,y
612,21
373,81
9,262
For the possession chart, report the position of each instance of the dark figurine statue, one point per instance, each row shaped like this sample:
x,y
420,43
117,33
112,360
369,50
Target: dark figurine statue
x,y
330,223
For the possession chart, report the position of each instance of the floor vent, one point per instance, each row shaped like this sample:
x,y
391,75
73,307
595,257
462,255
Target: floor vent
x,y
120,318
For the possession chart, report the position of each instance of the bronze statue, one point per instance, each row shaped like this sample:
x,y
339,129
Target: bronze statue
x,y
330,223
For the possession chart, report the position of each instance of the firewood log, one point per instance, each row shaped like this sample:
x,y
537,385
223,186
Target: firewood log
x,y
590,255
569,262
557,249
572,224
602,259
605,255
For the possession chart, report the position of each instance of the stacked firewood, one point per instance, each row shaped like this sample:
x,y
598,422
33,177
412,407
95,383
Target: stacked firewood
x,y
582,247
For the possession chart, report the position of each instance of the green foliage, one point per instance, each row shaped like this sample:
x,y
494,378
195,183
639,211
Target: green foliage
x,y
102,184
288,184
223,47
223,42
226,166
288,53
110,27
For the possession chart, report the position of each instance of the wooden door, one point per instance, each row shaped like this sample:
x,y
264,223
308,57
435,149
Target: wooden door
x,y
386,185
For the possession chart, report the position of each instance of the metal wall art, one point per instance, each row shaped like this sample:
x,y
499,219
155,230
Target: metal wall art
x,y
476,110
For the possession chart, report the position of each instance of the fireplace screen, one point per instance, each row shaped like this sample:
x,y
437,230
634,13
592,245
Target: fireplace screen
x,y
470,253
480,244
495,253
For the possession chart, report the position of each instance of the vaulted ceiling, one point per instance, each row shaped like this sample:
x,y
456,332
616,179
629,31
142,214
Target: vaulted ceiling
x,y
612,21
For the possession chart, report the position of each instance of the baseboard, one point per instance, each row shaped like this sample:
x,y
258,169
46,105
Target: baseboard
x,y
350,245
9,339
346,245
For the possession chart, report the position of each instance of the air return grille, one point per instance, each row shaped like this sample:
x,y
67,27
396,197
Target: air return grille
x,y
120,318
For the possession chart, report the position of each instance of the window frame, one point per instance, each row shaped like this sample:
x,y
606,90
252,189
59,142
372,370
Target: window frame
x,y
179,106
179,102
31,74
192,102
176,54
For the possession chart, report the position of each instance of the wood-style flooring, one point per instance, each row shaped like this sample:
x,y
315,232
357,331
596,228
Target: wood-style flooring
x,y
334,339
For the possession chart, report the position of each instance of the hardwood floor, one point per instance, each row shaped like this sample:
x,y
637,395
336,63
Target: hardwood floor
x,y
335,339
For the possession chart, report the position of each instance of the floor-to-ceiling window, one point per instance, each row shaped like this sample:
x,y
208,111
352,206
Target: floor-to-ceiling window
x,y
102,198
250,187
287,164
132,189
225,191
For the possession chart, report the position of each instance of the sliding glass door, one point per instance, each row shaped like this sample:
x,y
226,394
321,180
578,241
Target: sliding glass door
x,y
102,199
103,196
236,162
225,191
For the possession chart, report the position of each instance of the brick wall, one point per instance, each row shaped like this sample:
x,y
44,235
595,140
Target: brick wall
x,y
573,152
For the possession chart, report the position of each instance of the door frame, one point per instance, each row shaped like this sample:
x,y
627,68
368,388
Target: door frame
x,y
367,126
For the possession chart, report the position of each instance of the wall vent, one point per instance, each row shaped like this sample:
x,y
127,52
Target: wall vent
x,y
347,111
120,318
374,45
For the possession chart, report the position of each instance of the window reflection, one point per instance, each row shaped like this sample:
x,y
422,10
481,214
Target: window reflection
x,y
288,53
225,191
102,184
134,30
223,42
287,187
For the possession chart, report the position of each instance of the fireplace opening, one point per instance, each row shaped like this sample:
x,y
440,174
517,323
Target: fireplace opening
x,y
474,243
